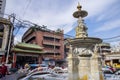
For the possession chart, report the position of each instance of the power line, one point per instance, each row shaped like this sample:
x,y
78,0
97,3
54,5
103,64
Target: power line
x,y
111,37
29,1
25,24
114,40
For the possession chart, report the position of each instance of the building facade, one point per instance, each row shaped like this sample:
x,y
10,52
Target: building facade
x,y
6,38
52,41
104,48
26,53
113,59
2,7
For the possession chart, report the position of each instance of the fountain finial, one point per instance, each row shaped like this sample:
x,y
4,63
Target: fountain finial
x,y
81,29
79,6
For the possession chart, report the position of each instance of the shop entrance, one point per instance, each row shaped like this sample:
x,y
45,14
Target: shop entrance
x,y
22,60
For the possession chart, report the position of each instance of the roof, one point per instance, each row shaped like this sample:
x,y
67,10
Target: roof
x,y
27,48
26,51
41,28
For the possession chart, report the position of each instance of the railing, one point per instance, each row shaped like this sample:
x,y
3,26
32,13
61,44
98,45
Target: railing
x,y
51,42
53,57
51,35
105,49
52,51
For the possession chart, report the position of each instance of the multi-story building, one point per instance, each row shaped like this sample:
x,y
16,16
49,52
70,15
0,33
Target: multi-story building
x,y
66,47
2,7
104,48
6,38
52,41
109,57
113,59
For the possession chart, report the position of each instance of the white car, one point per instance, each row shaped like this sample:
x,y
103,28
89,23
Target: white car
x,y
45,74
117,73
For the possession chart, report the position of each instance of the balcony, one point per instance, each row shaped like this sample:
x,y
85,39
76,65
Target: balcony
x,y
106,49
47,42
49,50
56,57
53,36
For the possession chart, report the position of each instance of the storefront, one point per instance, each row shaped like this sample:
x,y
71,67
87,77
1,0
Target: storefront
x,y
26,53
113,60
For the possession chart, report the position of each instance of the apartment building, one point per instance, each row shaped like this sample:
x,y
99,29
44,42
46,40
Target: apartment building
x,y
51,41
6,38
2,7
104,48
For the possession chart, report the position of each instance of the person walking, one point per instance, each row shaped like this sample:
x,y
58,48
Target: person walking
x,y
4,70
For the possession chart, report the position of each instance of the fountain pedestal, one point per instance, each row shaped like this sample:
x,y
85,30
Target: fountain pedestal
x,y
73,66
84,62
84,68
96,67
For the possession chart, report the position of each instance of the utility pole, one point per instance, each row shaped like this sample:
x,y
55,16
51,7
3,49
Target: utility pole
x,y
11,33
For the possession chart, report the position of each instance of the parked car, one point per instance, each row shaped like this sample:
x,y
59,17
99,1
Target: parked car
x,y
117,72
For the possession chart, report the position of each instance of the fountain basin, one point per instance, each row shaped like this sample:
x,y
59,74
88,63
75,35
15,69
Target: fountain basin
x,y
84,42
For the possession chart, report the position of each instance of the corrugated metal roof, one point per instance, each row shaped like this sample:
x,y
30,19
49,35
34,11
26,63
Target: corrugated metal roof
x,y
29,46
26,51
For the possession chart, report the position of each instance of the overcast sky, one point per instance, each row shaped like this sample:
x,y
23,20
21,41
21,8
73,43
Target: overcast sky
x,y
103,18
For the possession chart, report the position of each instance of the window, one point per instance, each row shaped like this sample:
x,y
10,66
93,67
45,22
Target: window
x,y
0,42
1,27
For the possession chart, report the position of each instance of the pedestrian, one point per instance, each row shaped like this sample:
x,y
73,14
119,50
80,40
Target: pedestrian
x,y
39,68
4,70
26,66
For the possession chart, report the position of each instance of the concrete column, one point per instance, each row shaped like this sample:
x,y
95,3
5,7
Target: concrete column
x,y
96,69
84,68
73,68
5,37
111,62
14,60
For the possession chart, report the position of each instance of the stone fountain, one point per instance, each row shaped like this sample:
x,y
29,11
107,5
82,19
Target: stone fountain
x,y
84,62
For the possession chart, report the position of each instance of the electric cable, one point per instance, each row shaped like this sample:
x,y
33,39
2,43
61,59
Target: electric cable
x,y
25,22
25,10
111,37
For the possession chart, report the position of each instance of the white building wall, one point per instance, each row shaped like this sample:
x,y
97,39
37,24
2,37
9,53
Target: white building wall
x,y
2,7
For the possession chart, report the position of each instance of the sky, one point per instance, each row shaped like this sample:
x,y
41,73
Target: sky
x,y
103,20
